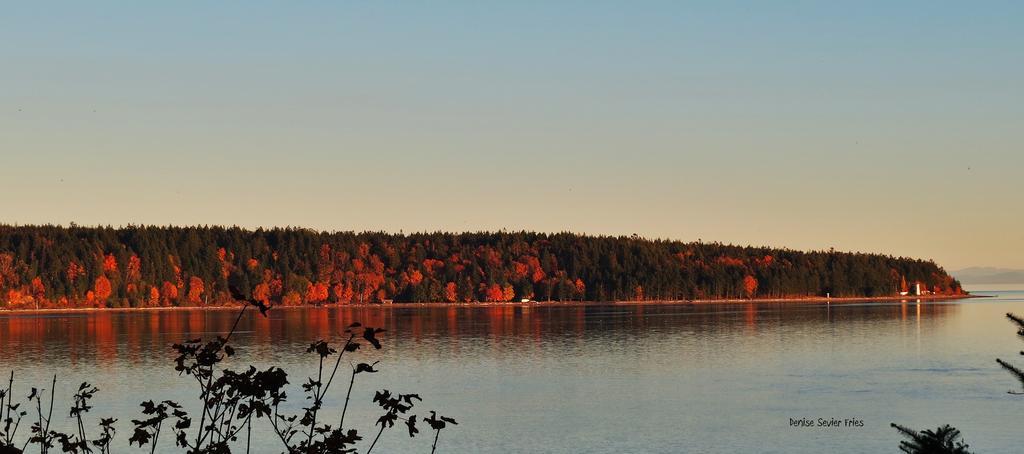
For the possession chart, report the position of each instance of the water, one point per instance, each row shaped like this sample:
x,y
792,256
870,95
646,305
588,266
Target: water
x,y
596,379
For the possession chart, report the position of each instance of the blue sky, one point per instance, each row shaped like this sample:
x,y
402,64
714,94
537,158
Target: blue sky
x,y
867,126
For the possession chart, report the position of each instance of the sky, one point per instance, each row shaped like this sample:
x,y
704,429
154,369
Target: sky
x,y
892,127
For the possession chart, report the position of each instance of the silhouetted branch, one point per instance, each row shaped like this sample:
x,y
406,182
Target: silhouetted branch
x,y
944,440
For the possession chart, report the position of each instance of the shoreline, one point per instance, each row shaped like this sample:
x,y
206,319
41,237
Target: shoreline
x,y
786,300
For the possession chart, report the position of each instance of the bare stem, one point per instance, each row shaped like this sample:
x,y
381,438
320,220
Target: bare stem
x,y
49,413
375,439
7,420
248,435
202,433
316,401
338,361
348,395
156,436
434,447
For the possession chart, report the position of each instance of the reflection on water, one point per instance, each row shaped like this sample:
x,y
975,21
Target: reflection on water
x,y
613,378
108,338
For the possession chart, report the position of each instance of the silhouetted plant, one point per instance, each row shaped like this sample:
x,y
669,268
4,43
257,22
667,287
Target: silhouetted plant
x,y
944,440
321,437
10,423
46,439
394,407
147,430
1013,370
79,442
437,423
230,401
41,434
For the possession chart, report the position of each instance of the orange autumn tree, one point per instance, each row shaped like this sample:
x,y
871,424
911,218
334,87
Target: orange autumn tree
x,y
316,293
508,293
262,293
495,293
195,290
415,277
73,272
169,294
749,286
133,273
38,289
102,290
110,263
451,292
343,292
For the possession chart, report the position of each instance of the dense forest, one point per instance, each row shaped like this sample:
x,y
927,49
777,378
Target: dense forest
x,y
140,266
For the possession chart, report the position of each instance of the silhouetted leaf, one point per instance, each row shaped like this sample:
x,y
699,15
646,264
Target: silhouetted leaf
x,y
370,334
411,424
363,367
140,436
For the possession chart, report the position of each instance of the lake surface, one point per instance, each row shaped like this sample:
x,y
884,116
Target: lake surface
x,y
595,379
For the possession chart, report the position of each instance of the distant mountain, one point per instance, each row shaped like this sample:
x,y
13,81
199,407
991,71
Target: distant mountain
x,y
989,275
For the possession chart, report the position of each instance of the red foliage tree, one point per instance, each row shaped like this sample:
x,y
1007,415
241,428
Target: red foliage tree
x,y
520,270
316,293
292,298
102,289
170,293
415,277
195,290
508,293
580,287
749,286
432,265
73,272
134,271
451,292
343,292
495,293
110,263
261,293
38,289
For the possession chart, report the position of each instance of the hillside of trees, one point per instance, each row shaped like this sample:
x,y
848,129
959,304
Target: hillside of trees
x,y
141,266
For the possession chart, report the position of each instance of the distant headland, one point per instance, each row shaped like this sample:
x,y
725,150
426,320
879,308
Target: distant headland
x,y
55,267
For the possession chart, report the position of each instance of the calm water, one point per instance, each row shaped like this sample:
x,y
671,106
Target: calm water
x,y
597,379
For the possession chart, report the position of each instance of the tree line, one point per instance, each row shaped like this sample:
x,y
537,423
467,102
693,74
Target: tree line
x,y
49,266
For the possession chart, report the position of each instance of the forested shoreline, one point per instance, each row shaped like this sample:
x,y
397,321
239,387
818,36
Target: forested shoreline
x,y
149,266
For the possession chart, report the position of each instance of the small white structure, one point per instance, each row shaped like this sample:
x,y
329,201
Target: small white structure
x,y
917,289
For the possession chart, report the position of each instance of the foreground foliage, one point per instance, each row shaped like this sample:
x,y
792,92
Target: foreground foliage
x,y
232,401
944,440
1014,370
